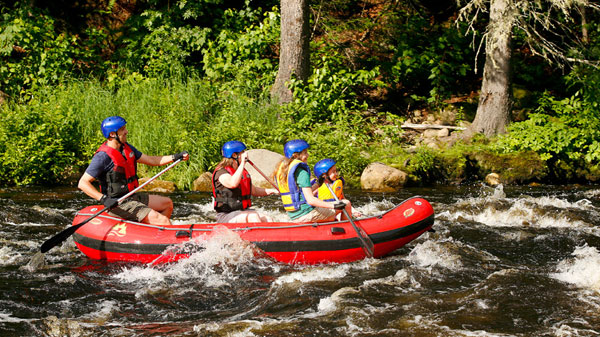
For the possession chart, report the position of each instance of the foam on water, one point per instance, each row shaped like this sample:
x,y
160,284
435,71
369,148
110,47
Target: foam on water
x,y
314,274
583,270
564,330
541,212
329,304
374,207
213,263
9,318
9,256
435,254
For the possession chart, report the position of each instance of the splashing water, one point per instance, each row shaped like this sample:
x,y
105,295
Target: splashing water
x,y
583,270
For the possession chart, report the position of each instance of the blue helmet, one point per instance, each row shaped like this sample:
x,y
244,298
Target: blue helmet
x,y
231,147
323,166
293,146
112,124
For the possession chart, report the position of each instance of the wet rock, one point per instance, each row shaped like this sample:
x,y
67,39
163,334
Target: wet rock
x,y
203,183
160,186
517,168
37,262
492,179
63,327
382,178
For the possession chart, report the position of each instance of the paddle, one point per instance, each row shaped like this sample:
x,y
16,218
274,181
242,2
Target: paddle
x,y
62,236
262,174
365,241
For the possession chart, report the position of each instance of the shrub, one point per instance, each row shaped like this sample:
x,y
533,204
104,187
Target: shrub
x,y
39,143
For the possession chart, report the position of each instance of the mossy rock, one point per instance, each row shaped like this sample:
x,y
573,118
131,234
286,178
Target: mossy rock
x,y
590,173
514,168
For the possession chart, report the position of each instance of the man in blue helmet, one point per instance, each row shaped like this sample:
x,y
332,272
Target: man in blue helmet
x,y
293,179
114,166
233,188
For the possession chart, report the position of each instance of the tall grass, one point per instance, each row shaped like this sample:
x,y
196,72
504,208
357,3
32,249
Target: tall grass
x,y
163,117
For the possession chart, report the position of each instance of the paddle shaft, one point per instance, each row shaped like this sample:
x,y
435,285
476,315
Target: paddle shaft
x,y
262,174
365,242
62,236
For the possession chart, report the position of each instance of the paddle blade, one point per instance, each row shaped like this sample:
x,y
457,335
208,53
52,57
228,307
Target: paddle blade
x,y
60,237
57,239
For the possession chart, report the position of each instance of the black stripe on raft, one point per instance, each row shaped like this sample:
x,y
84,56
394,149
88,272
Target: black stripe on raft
x,y
330,245
267,246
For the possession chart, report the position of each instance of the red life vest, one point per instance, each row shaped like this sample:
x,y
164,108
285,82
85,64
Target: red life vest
x,y
123,178
232,199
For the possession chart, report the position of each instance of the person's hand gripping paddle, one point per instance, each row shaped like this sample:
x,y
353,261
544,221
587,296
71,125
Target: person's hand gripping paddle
x,y
365,242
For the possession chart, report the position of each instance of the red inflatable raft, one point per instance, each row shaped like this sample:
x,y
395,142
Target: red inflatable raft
x,y
113,239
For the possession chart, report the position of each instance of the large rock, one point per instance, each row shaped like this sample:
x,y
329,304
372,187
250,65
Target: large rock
x,y
382,178
203,183
160,186
267,162
493,179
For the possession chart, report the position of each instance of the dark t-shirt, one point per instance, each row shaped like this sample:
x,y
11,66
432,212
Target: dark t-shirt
x,y
101,164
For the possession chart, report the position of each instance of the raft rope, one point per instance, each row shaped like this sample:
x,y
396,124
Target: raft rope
x,y
172,228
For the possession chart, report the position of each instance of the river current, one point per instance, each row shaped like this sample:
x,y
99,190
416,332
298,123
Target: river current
x,y
512,261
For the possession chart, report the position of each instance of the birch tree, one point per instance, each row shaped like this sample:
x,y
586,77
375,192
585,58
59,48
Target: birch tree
x,y
546,25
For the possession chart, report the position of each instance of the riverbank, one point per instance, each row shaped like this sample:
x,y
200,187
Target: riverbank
x,y
51,139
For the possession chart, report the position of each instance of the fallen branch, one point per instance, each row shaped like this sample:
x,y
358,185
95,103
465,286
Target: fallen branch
x,y
430,126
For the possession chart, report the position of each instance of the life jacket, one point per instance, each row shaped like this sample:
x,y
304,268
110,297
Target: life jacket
x,y
324,194
291,195
123,178
232,199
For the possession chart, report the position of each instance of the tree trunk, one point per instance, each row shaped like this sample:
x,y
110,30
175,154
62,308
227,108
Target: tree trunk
x,y
584,27
294,54
495,99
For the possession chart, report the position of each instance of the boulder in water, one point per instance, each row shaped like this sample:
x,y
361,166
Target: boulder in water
x,y
382,178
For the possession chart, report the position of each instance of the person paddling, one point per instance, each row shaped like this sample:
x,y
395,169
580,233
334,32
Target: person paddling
x,y
326,172
293,179
233,188
114,166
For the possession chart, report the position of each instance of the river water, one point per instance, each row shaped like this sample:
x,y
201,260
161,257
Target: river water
x,y
513,261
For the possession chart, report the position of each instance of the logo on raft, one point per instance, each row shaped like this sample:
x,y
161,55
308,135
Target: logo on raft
x,y
119,230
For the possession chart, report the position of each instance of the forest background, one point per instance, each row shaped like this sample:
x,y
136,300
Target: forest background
x,y
191,75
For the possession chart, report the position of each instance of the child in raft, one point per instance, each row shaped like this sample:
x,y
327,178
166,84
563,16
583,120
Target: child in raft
x,y
326,172
293,179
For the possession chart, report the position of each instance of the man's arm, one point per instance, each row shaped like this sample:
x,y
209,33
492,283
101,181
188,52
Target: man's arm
x,y
161,160
85,184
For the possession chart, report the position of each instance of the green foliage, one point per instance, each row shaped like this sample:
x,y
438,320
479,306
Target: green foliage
x,y
328,94
238,57
561,129
158,48
432,60
426,166
173,41
39,144
190,75
34,54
